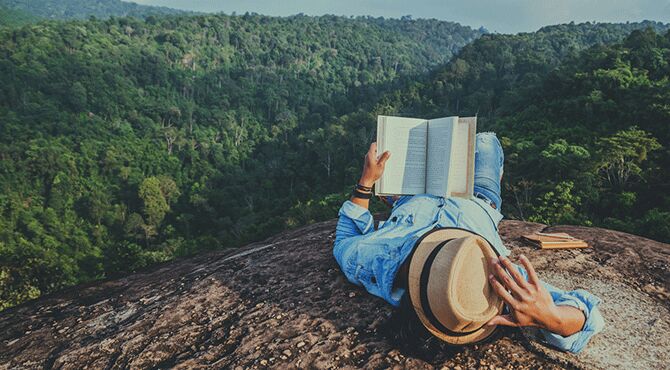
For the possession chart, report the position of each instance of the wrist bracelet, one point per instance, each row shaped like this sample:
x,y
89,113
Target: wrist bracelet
x,y
359,194
363,187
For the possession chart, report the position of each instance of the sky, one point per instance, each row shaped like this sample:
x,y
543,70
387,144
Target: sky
x,y
504,16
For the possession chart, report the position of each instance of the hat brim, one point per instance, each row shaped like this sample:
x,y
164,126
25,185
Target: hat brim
x,y
420,255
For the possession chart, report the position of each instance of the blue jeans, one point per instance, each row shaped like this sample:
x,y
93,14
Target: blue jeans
x,y
489,160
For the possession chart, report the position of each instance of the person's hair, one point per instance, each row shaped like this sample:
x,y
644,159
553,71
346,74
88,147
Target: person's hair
x,y
408,333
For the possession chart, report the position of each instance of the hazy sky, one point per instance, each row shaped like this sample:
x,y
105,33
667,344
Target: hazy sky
x,y
506,16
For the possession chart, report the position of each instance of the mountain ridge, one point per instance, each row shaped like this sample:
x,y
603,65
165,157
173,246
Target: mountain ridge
x,y
82,9
15,17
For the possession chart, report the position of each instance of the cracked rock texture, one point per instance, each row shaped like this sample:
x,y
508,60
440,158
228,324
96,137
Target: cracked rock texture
x,y
283,303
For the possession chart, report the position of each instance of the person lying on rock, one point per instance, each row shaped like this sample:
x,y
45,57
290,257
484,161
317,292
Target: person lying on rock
x,y
446,257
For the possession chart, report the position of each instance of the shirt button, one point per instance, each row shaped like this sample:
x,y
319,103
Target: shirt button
x,y
394,219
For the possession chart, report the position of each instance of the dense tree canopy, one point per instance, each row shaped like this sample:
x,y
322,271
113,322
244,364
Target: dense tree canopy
x,y
83,9
586,133
127,142
15,18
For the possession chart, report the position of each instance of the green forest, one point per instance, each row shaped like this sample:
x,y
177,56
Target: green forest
x,y
83,9
585,132
127,142
15,18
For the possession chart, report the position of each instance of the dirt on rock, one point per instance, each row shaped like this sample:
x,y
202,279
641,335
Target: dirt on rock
x,y
283,303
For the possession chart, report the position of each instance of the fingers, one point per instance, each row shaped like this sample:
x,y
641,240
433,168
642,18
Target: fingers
x,y
532,276
505,320
385,156
373,150
518,278
502,292
505,279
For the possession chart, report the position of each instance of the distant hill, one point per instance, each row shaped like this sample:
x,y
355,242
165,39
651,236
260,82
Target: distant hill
x,y
15,18
81,9
489,72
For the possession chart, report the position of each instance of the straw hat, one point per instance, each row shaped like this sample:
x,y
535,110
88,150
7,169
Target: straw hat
x,y
449,287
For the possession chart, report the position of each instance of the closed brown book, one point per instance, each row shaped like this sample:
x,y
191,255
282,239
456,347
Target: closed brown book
x,y
555,241
564,245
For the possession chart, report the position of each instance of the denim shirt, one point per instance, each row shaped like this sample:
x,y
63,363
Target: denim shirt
x,y
371,258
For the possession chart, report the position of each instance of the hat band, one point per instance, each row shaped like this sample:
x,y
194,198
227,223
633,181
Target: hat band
x,y
425,304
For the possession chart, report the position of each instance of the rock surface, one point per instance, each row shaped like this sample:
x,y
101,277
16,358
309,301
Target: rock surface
x,y
283,303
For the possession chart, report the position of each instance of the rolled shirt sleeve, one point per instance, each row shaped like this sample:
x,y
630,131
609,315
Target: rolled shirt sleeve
x,y
588,304
353,220
585,302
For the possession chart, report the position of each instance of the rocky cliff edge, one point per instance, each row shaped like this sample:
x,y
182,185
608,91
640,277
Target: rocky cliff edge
x,y
284,303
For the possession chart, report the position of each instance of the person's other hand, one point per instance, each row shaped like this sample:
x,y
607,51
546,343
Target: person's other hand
x,y
529,302
374,166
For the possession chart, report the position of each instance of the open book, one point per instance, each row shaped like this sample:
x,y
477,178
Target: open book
x,y
427,156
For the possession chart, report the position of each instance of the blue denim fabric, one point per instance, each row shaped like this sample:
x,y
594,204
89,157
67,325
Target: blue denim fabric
x,y
371,258
489,160
582,300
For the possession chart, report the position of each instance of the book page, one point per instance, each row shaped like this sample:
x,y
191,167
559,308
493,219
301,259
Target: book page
x,y
405,171
440,134
461,171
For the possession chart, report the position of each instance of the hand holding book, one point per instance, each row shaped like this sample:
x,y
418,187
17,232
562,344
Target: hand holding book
x,y
373,168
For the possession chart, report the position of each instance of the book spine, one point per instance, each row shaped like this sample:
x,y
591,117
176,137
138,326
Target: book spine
x,y
452,149
472,139
425,172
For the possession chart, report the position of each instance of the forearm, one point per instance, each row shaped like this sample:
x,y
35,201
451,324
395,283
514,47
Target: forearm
x,y
365,203
568,319
565,321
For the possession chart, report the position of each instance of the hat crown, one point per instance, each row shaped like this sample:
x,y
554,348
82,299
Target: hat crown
x,y
449,287
458,290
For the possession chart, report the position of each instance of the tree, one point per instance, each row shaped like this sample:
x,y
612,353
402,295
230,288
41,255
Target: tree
x,y
622,154
558,206
563,159
154,204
